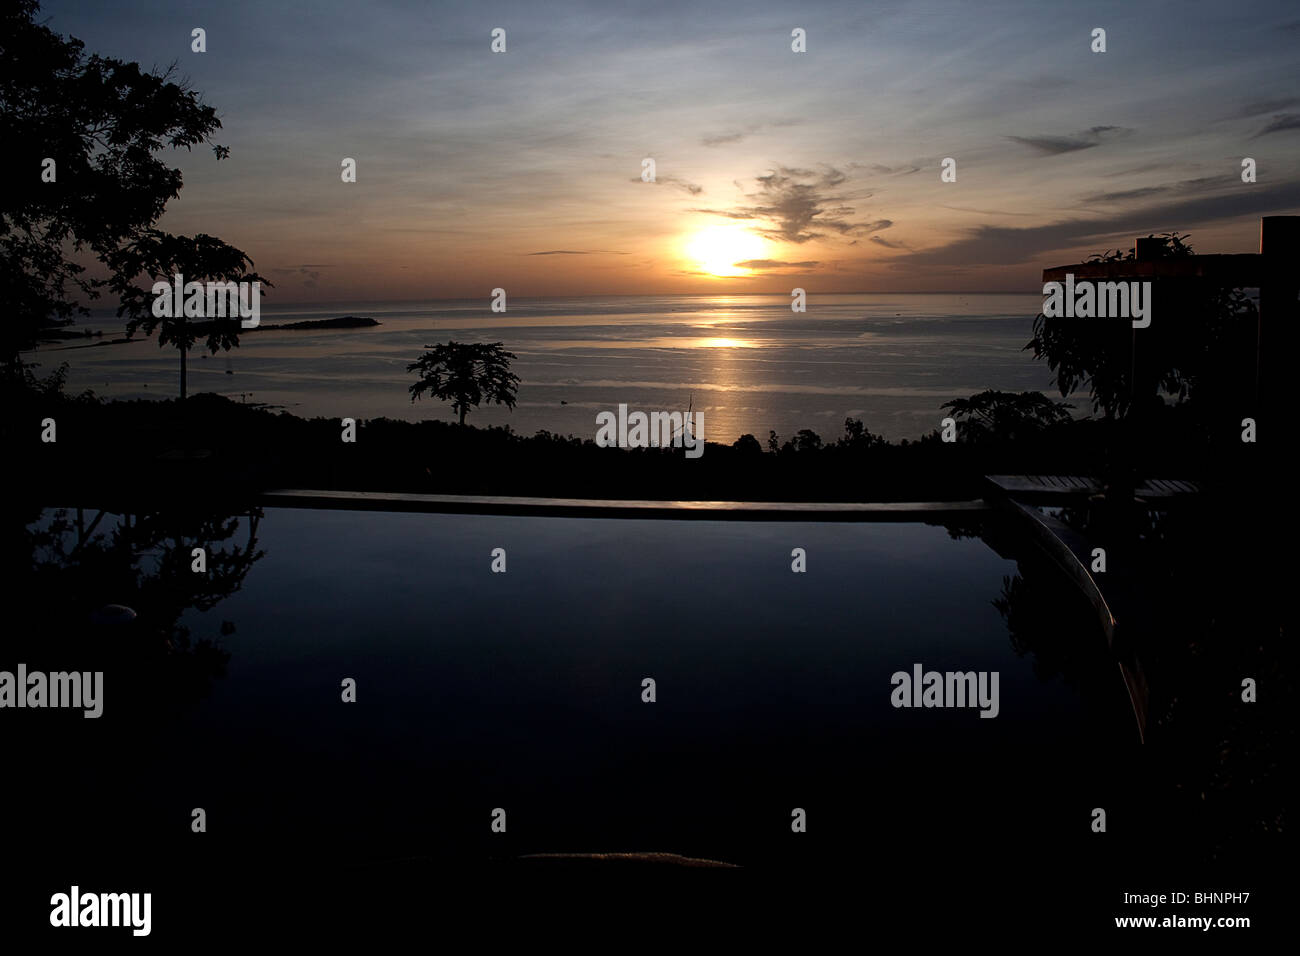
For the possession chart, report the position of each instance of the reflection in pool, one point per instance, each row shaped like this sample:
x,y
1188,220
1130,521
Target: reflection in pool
x,y
523,691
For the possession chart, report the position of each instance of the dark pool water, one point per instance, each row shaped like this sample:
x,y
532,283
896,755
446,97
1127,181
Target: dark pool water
x,y
523,691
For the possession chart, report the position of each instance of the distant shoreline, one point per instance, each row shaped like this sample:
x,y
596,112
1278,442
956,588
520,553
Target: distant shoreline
x,y
202,328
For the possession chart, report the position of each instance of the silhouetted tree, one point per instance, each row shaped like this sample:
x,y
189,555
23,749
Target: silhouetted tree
x,y
857,436
1006,416
1198,343
159,256
101,120
807,440
467,374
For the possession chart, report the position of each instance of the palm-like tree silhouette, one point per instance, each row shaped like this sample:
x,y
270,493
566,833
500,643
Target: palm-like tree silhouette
x,y
198,258
467,374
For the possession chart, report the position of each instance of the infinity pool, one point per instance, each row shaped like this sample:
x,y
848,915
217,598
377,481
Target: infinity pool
x,y
524,691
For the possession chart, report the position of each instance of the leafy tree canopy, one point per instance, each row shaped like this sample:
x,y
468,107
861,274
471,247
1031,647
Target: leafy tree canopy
x,y
102,121
1006,416
1198,347
466,374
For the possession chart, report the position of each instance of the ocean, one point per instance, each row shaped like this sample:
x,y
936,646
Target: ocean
x,y
748,363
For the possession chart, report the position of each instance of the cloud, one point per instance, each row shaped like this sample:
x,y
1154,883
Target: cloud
x,y
775,264
1142,192
735,136
726,213
795,205
1129,171
578,252
880,169
1281,122
309,270
723,139
1124,195
701,272
1084,139
674,181
886,243
985,212
1260,107
1001,245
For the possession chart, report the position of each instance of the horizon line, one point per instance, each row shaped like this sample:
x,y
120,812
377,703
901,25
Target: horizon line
x,y
617,295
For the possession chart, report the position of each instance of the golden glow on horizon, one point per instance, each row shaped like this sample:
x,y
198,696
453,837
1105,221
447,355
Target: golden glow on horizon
x,y
716,249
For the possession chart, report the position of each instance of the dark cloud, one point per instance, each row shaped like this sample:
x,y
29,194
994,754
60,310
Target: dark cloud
x,y
1143,192
1282,122
796,205
578,252
722,139
736,135
1085,139
1124,195
1260,107
700,272
882,170
1134,170
886,243
726,213
1000,245
986,212
775,264
311,273
675,181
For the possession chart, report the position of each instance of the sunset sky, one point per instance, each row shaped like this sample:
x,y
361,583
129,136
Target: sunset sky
x,y
819,169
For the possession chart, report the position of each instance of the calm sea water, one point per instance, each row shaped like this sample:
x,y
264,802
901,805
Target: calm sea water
x,y
747,362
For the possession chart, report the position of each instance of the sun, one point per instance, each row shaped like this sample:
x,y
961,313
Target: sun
x,y
717,249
